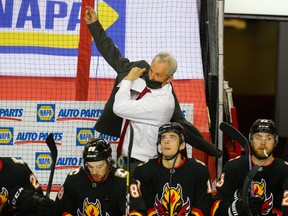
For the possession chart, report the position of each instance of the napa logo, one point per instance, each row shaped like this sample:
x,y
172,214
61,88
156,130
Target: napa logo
x,y
69,162
43,161
6,135
13,114
79,114
83,135
111,139
45,113
52,27
32,137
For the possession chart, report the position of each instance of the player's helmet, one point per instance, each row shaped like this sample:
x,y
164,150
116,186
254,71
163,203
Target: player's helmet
x,y
264,125
172,127
96,150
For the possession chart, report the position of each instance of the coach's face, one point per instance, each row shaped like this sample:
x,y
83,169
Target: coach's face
x,y
157,75
158,72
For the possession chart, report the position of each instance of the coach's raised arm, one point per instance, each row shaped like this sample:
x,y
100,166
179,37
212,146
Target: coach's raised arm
x,y
109,123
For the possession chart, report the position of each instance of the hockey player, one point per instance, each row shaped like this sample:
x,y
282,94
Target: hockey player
x,y
20,191
98,188
268,193
173,184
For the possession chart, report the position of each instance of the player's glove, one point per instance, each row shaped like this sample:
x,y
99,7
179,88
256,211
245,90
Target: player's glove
x,y
255,204
236,208
28,201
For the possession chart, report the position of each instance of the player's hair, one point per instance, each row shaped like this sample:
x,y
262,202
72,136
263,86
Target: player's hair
x,y
96,150
264,125
167,57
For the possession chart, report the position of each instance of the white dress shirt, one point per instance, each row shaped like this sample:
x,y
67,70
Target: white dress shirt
x,y
146,115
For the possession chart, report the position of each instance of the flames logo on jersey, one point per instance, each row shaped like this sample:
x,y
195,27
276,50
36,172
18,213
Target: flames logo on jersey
x,y
3,198
91,209
171,202
260,190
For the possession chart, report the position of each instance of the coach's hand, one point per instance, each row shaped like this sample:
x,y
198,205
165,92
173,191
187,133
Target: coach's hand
x,y
90,15
135,73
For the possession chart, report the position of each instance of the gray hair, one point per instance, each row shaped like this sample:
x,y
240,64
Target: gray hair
x,y
167,57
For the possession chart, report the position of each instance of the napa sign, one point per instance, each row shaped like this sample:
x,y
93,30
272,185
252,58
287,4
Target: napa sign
x,y
50,27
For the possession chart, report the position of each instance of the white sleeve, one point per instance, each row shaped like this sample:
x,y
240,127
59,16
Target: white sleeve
x,y
150,109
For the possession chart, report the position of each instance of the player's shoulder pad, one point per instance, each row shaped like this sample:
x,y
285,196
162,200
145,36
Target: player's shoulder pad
x,y
237,163
283,163
143,163
200,162
235,158
17,161
74,172
147,165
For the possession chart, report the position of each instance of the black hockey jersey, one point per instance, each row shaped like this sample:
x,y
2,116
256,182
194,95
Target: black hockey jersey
x,y
185,190
270,182
79,196
14,173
